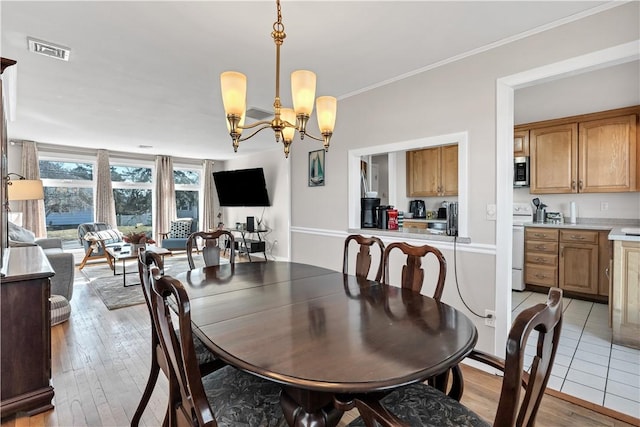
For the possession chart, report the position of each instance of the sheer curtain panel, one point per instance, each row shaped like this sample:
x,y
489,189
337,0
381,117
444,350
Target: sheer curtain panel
x,y
165,196
105,204
209,221
33,217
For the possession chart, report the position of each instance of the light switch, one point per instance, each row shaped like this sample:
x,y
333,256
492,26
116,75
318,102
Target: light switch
x,y
491,212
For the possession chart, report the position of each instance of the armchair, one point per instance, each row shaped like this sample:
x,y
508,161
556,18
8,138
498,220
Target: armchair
x,y
176,237
94,238
61,262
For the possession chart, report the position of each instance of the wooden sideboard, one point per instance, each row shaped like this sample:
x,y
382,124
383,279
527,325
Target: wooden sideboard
x,y
25,341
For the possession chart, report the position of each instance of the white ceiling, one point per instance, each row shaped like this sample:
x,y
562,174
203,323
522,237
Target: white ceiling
x,y
147,73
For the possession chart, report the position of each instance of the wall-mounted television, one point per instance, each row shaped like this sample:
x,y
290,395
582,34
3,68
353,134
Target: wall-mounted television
x,y
242,187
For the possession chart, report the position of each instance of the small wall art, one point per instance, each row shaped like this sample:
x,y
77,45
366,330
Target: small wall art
x,y
316,168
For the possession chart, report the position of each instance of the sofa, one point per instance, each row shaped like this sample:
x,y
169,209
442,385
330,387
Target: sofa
x,y
62,262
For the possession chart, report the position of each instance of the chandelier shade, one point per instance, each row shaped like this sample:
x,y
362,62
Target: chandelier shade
x,y
286,121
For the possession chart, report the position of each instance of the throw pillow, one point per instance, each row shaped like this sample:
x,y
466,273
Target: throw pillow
x,y
180,229
19,234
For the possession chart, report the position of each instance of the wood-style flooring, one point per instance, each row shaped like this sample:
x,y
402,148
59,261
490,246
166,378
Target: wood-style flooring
x,y
100,361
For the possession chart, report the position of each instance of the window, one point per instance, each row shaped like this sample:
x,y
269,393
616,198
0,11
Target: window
x,y
187,182
68,197
132,186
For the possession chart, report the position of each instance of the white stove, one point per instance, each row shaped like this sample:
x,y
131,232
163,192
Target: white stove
x,y
522,214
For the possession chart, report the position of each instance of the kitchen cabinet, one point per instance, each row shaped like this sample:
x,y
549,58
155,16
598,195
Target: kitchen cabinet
x,y
578,261
592,153
520,143
625,298
575,260
541,256
433,171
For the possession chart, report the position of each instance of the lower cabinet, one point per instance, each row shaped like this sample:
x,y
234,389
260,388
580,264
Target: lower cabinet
x,y
625,300
578,261
574,260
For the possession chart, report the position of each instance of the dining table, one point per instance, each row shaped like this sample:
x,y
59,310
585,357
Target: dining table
x,y
321,333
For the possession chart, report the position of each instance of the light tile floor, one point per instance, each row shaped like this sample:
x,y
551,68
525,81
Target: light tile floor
x,y
587,364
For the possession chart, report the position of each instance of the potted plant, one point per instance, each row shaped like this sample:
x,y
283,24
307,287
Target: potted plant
x,y
137,240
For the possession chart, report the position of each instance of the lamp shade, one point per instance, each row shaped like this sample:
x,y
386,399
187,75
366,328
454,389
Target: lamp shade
x,y
288,115
326,107
303,91
234,92
25,189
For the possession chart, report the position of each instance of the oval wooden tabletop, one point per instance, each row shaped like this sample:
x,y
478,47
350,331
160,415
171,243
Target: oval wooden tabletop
x,y
318,329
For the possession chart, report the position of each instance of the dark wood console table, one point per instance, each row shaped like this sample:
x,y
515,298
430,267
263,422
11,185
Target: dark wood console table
x,y
25,343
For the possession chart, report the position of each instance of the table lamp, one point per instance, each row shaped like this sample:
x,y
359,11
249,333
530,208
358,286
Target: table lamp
x,y
22,189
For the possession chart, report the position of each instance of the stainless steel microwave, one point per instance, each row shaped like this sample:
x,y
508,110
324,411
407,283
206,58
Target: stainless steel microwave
x,y
521,171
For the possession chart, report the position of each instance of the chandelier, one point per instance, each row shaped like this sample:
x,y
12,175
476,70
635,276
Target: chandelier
x,y
286,121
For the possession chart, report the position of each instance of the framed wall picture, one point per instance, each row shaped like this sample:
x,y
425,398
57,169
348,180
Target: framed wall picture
x,y
316,168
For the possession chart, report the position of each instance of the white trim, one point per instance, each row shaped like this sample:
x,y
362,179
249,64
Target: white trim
x,y
478,248
460,138
505,87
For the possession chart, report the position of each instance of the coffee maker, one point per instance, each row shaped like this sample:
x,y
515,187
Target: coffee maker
x,y
368,211
417,208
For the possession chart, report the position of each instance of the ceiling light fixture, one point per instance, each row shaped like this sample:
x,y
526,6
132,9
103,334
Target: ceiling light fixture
x,y
286,120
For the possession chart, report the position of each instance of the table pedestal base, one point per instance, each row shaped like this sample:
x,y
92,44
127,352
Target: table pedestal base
x,y
307,408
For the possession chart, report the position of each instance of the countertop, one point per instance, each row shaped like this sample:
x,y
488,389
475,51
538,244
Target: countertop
x,y
590,224
621,233
412,233
425,219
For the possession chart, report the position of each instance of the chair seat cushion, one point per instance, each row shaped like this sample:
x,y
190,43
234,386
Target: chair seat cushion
x,y
60,309
423,405
241,399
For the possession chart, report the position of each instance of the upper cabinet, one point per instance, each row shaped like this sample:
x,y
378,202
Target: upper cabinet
x,y
521,143
593,153
433,171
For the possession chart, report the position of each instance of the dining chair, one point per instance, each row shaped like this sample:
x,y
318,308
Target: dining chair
x,y
211,248
363,258
422,405
412,272
207,362
226,397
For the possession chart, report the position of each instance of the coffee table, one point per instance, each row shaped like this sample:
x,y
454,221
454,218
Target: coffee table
x,y
125,253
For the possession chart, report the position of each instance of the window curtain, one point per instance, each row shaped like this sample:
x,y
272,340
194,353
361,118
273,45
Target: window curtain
x,y
209,220
33,217
105,204
165,196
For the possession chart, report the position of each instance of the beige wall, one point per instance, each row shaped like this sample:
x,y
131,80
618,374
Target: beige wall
x,y
457,97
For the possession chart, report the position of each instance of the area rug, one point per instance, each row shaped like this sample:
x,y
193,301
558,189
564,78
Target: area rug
x,y
110,288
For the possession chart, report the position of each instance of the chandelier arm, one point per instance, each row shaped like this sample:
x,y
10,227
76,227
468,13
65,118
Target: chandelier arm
x,y
313,137
252,125
254,133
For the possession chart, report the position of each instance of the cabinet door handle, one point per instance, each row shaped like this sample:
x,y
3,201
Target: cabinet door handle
x,y
606,272
573,184
541,247
541,276
580,185
540,260
573,236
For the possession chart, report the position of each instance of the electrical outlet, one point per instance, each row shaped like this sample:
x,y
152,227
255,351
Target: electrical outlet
x,y
491,212
490,321
604,206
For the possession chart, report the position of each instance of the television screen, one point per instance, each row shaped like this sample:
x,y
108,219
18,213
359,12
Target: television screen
x,y
243,187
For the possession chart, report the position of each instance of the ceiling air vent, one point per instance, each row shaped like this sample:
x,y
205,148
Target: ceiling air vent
x,y
48,49
258,114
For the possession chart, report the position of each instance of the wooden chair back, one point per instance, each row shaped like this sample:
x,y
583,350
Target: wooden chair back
x,y
188,402
363,258
546,320
211,249
412,272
